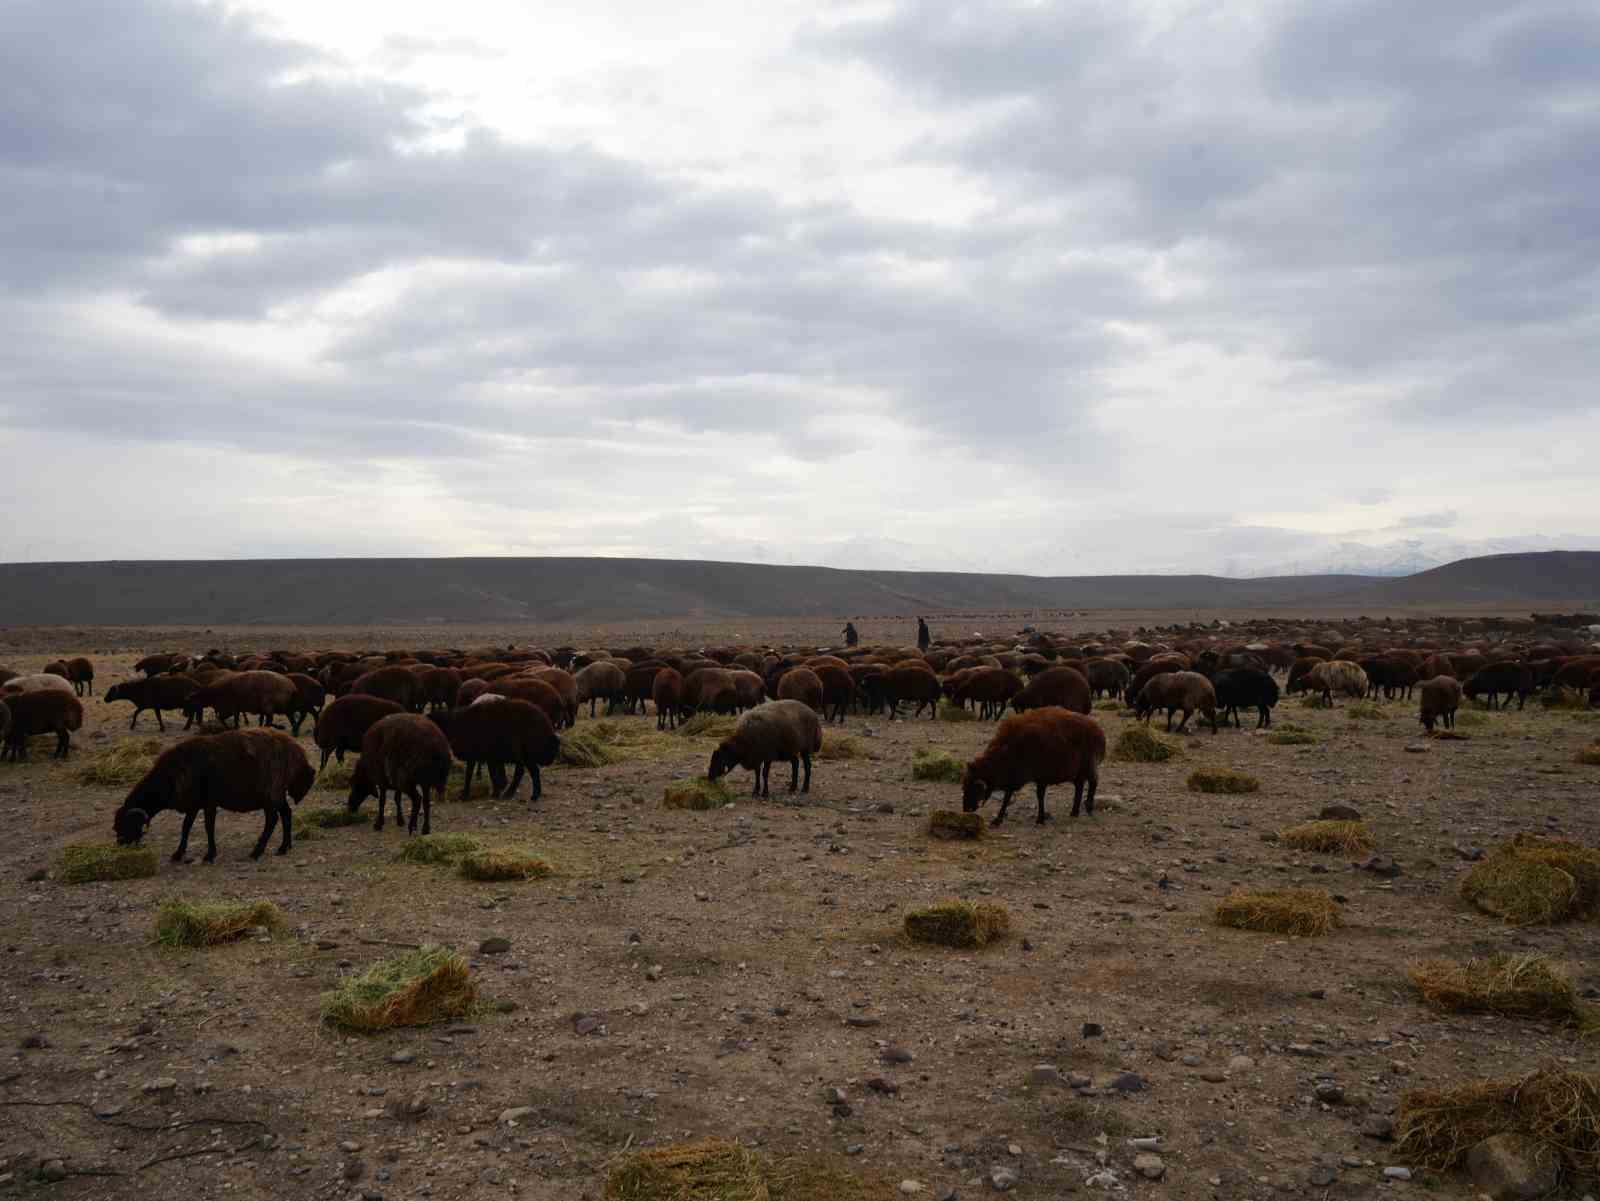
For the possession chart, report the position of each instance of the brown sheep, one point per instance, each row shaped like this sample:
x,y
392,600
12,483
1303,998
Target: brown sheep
x,y
1186,690
153,665
238,770
750,688
398,684
153,692
42,681
410,754
1441,697
264,694
311,696
535,692
602,681
781,729
1107,676
1338,675
46,711
497,732
710,689
640,683
81,672
801,684
1300,674
1436,665
839,691
906,681
345,722
440,686
565,685
666,691
1057,687
992,688
1040,747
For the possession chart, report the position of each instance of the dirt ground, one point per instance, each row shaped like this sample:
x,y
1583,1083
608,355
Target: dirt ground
x,y
744,962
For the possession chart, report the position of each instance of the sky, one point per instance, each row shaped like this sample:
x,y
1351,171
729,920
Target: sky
x,y
1058,288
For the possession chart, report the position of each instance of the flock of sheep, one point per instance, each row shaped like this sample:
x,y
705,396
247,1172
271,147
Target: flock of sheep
x,y
411,714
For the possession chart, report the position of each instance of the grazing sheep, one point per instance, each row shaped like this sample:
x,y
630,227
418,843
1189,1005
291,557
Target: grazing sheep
x,y
1186,690
666,691
640,683
1248,687
1576,673
992,688
238,770
44,711
153,692
1441,697
1510,679
1337,675
602,681
1107,676
440,686
1055,687
311,695
907,681
839,691
1039,747
710,688
154,665
42,681
1300,674
1436,665
781,729
801,684
750,688
81,672
264,694
535,692
57,667
1151,668
565,685
393,683
498,732
344,723
410,754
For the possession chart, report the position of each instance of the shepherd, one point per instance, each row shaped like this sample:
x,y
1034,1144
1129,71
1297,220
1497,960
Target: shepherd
x,y
923,637
850,635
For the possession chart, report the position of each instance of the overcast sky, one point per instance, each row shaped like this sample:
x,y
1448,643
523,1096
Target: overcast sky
x,y
1048,287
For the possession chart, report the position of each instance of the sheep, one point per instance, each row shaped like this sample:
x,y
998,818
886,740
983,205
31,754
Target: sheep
x,y
602,681
1575,673
1249,687
1148,670
838,690
907,681
42,681
45,711
499,732
1496,678
153,692
1340,675
7,675
408,753
311,696
781,729
750,688
56,667
566,688
1186,690
992,687
262,693
666,691
1039,747
1055,687
344,723
440,686
238,770
801,684
709,688
154,665
1108,676
535,692
398,684
80,672
1436,665
639,683
1441,697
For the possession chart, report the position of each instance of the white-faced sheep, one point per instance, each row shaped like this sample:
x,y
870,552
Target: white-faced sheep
x,y
1039,747
781,729
406,753
241,771
1441,697
1186,690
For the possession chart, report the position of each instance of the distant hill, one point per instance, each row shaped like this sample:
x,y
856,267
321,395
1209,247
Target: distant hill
x,y
379,591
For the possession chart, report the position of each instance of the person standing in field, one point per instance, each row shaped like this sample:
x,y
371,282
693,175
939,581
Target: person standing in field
x,y
923,637
850,635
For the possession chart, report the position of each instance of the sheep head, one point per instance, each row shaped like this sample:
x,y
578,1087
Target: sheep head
x,y
723,760
129,825
975,790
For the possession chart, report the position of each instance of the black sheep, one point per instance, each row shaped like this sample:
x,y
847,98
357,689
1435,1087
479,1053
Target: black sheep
x,y
1246,687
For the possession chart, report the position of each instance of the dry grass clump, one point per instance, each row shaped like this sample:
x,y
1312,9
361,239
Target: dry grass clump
x,y
1107,705
957,923
1471,717
438,848
946,823
1563,698
1328,837
207,923
429,984
1287,733
1365,711
1141,744
1305,911
1557,1110
816,1178
1313,700
707,725
1526,985
1578,861
84,863
329,818
1222,780
336,776
709,1170
843,746
503,863
1589,755
950,711
697,792
587,746
1520,891
936,765
123,762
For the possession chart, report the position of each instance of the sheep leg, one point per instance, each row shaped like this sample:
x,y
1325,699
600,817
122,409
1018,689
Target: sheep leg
x,y
427,812
805,758
63,744
1077,796
288,827
1043,816
266,830
135,720
377,823
794,772
183,837
538,782
755,785
1005,803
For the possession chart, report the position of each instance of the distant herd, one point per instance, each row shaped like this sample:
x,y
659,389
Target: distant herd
x,y
411,714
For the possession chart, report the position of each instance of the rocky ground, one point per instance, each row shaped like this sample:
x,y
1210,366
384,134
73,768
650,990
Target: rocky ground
x,y
741,972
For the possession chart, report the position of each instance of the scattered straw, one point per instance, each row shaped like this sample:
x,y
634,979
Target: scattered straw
x,y
1578,861
586,746
1559,1111
1140,744
1365,711
707,725
816,1178
696,792
329,817
956,923
1526,985
1289,734
709,1170
843,746
950,711
1107,705
1221,780
123,762
83,863
936,765
1287,911
207,923
336,776
1563,698
503,863
438,848
429,984
1471,717
1328,837
1520,891
945,823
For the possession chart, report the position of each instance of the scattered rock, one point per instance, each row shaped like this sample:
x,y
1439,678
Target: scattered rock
x,y
1003,1179
403,1056
1212,1076
1304,1050
1339,813
1150,1166
1328,1092
1378,865
494,945
515,1114
161,1084
1128,1082
1470,854
1378,1127
862,1023
585,1023
1509,1167
53,1170
1241,1063
1414,748
1397,1173
896,1055
1321,1176
1093,1030
879,1085
653,972
912,1187
33,1042
1045,1073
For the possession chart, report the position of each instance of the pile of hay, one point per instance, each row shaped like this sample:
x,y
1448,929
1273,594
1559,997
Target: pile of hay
x,y
1589,755
946,823
1140,744
1328,837
716,1170
707,725
1289,734
1365,711
1471,717
696,792
207,923
957,923
122,763
1107,705
1527,986
438,848
329,818
336,776
1304,911
843,746
1578,861
1313,700
503,863
1536,881
84,863
587,746
1222,780
429,984
936,766
950,711
1559,1111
